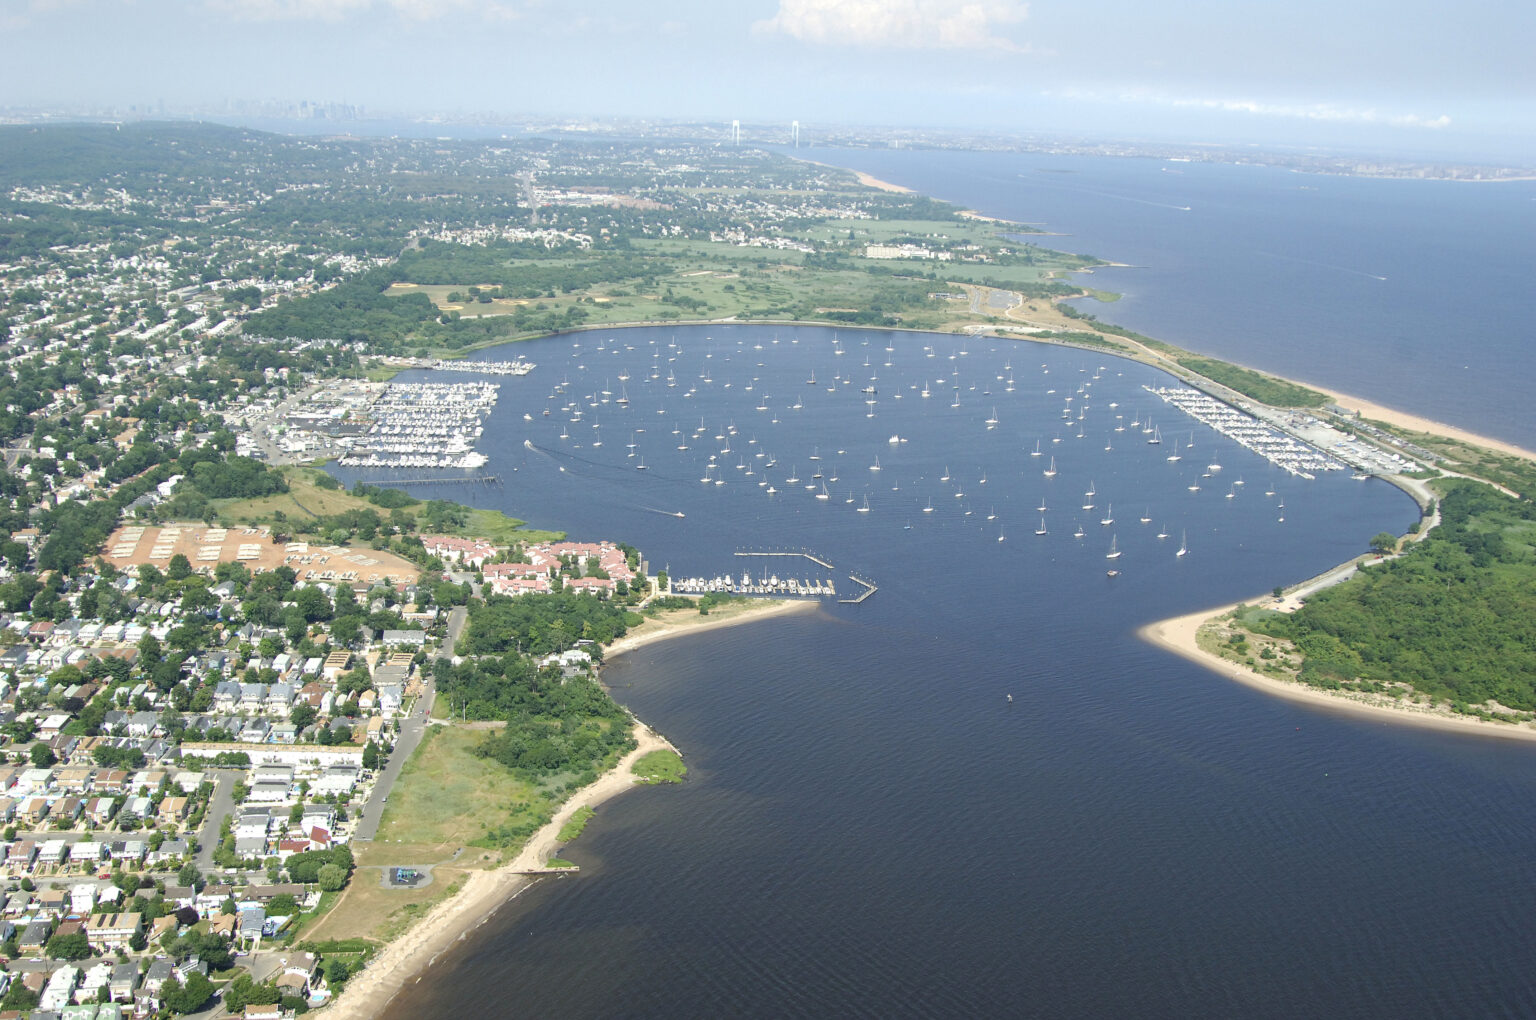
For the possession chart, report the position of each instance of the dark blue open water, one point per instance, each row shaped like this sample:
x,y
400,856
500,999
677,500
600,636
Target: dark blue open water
x,y
870,827
1414,294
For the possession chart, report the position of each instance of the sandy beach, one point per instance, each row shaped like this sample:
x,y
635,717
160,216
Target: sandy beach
x,y
410,957
1402,419
678,622
1177,635
870,181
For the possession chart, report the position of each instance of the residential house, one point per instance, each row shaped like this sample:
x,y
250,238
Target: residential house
x,y
108,932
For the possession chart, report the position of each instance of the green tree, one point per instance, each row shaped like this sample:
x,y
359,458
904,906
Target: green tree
x,y
74,946
1385,542
188,997
332,877
42,756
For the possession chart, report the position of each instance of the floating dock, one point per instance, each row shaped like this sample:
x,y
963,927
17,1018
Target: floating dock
x,y
471,480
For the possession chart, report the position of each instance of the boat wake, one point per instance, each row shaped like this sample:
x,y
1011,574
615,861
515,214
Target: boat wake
x,y
1322,265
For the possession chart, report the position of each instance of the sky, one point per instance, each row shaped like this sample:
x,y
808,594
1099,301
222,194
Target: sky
x,y
1407,77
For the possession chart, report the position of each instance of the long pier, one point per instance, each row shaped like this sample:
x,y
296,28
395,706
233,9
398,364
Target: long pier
x,y
472,480
803,553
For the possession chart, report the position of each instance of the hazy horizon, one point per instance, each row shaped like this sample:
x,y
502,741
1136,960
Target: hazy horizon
x,y
1415,80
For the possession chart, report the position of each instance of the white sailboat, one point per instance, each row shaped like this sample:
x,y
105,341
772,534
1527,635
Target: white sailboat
x,y
1050,472
1183,543
1041,529
1114,551
1036,451
1109,514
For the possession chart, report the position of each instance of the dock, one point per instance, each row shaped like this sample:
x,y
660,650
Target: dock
x,y
869,589
773,584
471,480
803,553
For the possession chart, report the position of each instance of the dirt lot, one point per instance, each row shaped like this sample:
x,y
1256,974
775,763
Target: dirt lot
x,y
207,547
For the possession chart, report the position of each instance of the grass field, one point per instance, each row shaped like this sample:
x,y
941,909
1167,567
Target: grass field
x,y
448,796
304,500
715,280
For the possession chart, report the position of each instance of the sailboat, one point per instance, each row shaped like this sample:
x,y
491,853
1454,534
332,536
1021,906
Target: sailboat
x,y
1079,533
929,508
1041,529
1050,472
1114,551
876,465
823,494
865,508
1036,451
1183,543
1174,456
1157,436
1146,517
1109,514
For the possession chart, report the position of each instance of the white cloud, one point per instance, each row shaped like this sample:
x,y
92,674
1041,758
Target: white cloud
x,y
1326,112
899,24
337,10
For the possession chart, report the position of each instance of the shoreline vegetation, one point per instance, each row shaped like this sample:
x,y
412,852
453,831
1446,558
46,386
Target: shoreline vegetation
x,y
1182,635
410,956
1042,318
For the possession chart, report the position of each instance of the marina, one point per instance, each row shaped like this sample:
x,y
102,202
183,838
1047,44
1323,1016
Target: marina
x,y
1281,449
419,425
517,366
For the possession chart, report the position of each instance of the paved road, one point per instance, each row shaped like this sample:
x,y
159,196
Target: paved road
x,y
219,805
411,731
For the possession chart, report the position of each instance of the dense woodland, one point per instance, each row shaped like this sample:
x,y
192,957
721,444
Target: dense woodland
x,y
1454,617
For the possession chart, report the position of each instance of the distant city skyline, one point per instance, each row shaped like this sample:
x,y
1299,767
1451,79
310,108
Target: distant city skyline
x,y
1406,78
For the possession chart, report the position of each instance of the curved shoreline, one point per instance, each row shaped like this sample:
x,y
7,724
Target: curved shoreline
x,y
410,956
1178,634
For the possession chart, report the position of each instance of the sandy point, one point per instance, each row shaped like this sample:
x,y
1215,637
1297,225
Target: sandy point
x,y
1178,635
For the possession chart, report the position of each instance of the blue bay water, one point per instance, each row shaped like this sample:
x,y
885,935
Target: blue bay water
x,y
870,827
1410,293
